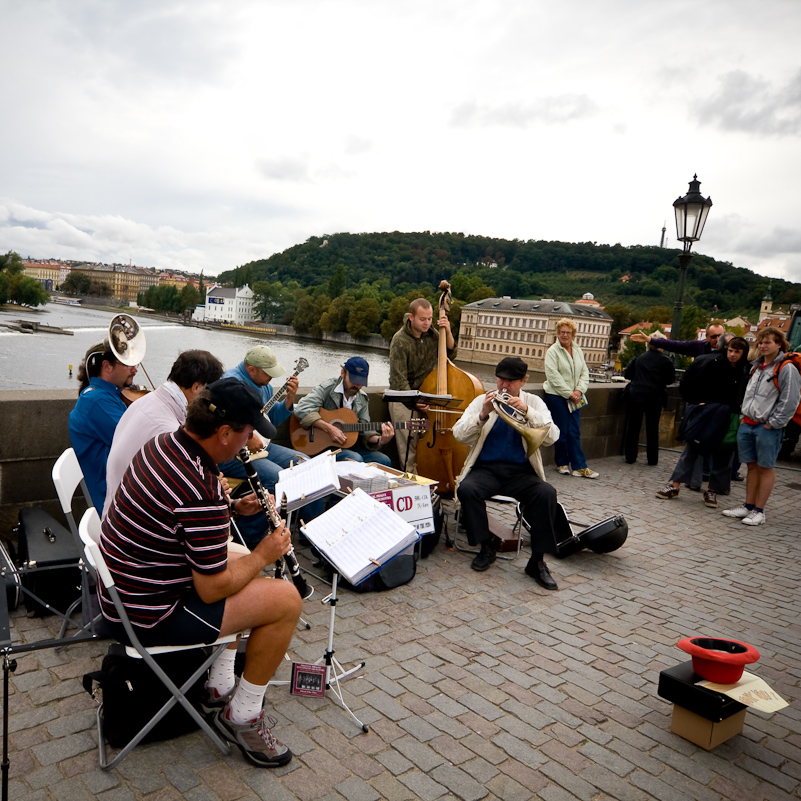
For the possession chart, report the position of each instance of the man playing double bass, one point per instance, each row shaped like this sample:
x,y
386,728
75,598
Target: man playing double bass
x,y
412,356
497,463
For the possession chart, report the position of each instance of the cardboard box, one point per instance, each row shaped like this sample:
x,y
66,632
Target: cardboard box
x,y
706,733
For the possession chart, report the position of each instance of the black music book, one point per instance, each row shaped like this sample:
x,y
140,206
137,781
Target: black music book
x,y
411,397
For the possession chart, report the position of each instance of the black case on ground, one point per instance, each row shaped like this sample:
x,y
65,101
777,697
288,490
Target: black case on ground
x,y
48,557
8,569
603,537
679,686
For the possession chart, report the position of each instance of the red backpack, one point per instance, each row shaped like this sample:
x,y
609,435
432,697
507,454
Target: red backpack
x,y
793,358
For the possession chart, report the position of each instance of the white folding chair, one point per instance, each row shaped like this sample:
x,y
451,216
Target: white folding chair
x,y
67,477
89,531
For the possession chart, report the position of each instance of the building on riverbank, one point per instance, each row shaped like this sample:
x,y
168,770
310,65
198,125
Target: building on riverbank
x,y
227,305
496,327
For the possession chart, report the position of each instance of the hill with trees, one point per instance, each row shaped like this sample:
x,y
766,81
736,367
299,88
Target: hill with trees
x,y
358,282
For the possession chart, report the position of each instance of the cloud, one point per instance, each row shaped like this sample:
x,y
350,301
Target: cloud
x,y
554,110
355,146
285,169
750,104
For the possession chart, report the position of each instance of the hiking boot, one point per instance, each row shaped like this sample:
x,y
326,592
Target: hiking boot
x,y
668,492
585,472
211,703
755,518
738,511
485,557
254,738
563,469
710,499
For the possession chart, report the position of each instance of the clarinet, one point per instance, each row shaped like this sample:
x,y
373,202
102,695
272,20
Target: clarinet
x,y
301,586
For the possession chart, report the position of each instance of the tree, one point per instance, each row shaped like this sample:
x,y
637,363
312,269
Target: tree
x,y
188,298
77,284
659,314
622,317
27,290
336,284
364,317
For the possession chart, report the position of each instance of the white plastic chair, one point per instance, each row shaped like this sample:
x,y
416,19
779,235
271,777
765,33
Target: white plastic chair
x,y
67,477
89,531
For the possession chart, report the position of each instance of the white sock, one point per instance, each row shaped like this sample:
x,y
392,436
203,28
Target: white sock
x,y
247,702
221,673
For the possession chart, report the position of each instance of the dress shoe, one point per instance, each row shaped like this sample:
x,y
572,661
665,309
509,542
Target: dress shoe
x,y
484,558
540,573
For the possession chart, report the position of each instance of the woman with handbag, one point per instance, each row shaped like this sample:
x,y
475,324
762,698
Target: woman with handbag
x,y
713,387
566,381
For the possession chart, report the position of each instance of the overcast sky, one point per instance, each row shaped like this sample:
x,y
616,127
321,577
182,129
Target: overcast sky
x,y
202,135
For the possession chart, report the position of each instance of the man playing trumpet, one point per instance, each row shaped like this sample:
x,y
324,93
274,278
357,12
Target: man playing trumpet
x,y
504,459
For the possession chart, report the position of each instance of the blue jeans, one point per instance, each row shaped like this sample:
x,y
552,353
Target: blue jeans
x,y
363,455
567,449
759,444
254,527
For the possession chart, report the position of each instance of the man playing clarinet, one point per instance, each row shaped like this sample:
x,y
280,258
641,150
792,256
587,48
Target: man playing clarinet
x,y
165,542
497,464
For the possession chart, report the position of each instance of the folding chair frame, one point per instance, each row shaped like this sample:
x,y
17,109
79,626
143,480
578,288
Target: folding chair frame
x,y
67,477
516,527
138,651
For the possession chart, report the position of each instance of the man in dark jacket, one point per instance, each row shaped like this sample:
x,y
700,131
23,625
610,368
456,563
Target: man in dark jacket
x,y
713,387
690,347
649,374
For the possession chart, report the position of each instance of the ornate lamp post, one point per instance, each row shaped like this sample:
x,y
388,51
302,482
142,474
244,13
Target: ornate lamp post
x,y
691,213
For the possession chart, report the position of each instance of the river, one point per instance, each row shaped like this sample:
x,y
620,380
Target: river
x,y
42,361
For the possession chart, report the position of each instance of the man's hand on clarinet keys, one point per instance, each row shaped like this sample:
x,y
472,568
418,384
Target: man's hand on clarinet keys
x,y
275,545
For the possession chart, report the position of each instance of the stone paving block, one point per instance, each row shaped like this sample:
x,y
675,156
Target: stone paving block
x,y
420,755
30,718
72,724
389,788
459,783
37,779
422,786
52,752
567,779
357,790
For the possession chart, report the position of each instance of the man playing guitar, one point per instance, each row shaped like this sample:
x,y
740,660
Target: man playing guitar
x,y
343,392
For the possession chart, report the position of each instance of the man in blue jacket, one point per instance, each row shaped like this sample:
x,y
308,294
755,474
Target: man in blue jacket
x,y
256,371
96,414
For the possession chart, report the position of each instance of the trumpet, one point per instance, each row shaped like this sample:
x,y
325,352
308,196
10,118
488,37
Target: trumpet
x,y
534,436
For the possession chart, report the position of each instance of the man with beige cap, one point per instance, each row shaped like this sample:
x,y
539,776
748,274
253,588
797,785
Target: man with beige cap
x,y
257,370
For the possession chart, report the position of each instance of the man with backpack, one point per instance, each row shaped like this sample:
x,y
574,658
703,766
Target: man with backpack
x,y
771,401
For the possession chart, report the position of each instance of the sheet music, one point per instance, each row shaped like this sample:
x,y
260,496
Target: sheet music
x,y
358,532
307,481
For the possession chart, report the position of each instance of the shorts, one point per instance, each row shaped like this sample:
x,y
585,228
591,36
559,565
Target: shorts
x,y
759,444
192,621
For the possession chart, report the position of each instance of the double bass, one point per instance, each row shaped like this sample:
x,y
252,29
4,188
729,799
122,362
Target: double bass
x,y
440,456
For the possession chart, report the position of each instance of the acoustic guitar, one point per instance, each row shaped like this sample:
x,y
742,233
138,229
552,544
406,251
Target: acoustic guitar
x,y
312,441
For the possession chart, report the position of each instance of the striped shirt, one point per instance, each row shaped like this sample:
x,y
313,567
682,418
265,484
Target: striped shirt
x,y
168,518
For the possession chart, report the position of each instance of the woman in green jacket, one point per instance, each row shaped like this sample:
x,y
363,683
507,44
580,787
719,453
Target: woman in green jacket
x,y
566,381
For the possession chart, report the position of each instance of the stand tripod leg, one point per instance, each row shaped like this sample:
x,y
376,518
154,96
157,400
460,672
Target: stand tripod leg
x,y
334,672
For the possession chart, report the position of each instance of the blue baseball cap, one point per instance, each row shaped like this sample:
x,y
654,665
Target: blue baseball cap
x,y
358,370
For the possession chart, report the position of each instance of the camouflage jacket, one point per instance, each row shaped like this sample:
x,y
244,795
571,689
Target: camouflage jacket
x,y
412,359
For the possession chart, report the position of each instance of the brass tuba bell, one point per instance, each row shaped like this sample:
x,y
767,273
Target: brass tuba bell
x,y
126,340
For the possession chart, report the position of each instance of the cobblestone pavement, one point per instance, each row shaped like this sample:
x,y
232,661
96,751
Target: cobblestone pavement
x,y
486,686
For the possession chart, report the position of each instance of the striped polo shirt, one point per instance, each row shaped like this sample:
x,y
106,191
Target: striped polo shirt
x,y
168,518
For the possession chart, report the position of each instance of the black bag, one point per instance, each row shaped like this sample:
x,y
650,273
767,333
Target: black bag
x,y
398,571
8,569
49,556
429,540
132,694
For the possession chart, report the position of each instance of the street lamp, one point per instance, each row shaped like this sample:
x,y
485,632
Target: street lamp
x,y
691,213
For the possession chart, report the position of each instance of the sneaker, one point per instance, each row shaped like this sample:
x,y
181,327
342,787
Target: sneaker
x,y
738,511
211,702
668,492
710,499
254,738
563,469
485,557
585,472
754,518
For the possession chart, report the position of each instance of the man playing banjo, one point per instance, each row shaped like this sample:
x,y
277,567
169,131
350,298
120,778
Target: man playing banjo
x,y
497,463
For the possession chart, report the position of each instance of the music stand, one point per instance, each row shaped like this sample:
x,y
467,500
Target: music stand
x,y
333,668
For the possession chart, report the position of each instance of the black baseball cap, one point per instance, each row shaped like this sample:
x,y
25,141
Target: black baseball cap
x,y
511,368
236,402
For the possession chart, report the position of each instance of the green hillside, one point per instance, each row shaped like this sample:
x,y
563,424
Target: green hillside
x,y
330,277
